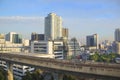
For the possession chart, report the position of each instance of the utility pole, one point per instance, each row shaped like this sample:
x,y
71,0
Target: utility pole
x,y
74,49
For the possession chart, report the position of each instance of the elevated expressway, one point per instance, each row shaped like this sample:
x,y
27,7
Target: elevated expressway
x,y
79,69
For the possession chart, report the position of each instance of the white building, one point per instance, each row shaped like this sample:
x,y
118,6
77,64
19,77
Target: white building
x,y
53,48
117,35
18,70
53,27
26,42
6,46
9,36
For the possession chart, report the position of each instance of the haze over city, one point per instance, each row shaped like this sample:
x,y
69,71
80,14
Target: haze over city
x,y
82,18
59,39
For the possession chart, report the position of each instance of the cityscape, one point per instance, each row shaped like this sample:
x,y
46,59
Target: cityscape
x,y
55,52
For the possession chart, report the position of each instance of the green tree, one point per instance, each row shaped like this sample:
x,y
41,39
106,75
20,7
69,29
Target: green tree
x,y
3,74
36,75
95,57
68,77
112,56
103,57
28,76
52,78
2,77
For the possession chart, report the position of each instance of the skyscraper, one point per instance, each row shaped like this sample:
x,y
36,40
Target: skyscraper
x,y
117,35
53,27
92,41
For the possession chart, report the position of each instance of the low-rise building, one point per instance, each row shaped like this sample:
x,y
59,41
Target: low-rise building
x,y
18,70
53,48
6,46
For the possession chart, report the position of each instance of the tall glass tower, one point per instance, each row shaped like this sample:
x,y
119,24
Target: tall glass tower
x,y
92,41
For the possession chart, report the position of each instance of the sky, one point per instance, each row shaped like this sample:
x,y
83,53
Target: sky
x,y
81,17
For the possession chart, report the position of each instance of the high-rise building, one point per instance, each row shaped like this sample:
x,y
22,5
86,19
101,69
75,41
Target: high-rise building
x,y
53,27
117,35
14,37
64,32
37,37
92,41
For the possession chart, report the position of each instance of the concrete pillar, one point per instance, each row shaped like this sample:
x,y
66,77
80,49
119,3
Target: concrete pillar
x,y
9,70
57,76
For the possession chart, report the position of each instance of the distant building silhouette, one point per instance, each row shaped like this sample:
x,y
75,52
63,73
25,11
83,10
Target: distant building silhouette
x,y
117,35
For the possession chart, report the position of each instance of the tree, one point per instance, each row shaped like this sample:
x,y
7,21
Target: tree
x,y
36,75
2,77
112,56
103,57
3,74
68,77
28,76
95,57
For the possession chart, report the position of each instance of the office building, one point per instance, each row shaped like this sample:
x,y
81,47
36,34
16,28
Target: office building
x,y
53,27
117,35
14,37
37,37
92,41
52,48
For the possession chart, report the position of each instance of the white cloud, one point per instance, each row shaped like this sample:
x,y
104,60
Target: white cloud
x,y
13,20
21,18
